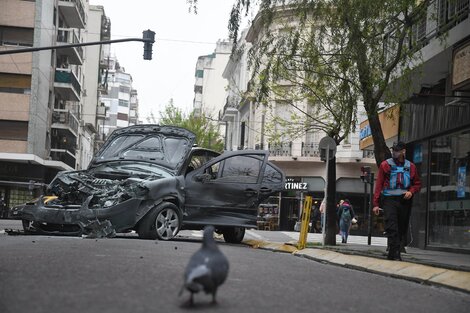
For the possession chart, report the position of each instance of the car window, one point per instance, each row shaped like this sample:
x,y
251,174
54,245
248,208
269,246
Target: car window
x,y
174,147
272,175
236,169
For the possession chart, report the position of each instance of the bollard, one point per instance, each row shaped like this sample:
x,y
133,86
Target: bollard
x,y
304,222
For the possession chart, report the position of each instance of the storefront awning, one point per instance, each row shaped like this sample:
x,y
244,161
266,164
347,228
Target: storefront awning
x,y
350,185
314,183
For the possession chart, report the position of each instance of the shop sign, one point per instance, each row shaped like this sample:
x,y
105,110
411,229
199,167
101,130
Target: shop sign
x,y
365,132
461,66
461,181
294,183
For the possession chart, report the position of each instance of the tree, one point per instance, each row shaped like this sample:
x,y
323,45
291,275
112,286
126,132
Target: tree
x,y
345,50
203,127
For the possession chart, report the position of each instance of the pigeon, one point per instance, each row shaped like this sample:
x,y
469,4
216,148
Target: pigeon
x,y
207,269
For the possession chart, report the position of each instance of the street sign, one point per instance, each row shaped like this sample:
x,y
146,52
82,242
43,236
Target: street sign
x,y
327,147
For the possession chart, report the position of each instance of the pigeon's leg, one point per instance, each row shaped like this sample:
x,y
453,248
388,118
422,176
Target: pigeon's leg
x,y
191,299
213,297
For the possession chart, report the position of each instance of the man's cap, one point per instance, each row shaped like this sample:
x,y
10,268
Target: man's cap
x,y
399,145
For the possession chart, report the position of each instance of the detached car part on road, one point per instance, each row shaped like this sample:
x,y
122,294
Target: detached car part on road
x,y
150,179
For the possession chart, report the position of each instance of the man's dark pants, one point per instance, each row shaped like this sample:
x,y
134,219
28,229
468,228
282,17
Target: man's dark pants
x,y
397,216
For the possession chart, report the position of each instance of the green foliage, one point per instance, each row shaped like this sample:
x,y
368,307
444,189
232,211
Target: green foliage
x,y
332,53
207,135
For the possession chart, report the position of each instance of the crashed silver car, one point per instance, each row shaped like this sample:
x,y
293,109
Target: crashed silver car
x,y
150,179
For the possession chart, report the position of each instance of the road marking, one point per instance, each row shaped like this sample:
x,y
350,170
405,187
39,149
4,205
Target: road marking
x,y
2,231
196,233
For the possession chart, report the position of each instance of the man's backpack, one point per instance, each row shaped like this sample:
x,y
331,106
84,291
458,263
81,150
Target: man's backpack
x,y
346,214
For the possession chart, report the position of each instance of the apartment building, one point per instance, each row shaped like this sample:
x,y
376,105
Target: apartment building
x,y
117,99
247,122
48,108
209,86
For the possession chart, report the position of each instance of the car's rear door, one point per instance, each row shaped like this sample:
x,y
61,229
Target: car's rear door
x,y
227,190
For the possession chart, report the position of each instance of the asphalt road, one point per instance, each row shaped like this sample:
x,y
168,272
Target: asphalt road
x,y
68,274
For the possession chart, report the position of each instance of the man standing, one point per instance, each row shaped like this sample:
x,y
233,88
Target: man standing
x,y
397,182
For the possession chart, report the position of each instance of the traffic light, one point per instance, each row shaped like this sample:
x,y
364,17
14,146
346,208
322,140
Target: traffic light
x,y
149,39
365,174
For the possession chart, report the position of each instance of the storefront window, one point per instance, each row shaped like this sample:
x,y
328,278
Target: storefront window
x,y
449,199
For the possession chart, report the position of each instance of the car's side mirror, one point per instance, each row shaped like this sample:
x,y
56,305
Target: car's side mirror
x,y
202,177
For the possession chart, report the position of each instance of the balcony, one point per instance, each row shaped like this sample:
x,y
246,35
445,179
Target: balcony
x,y
280,149
368,154
64,156
65,120
101,112
73,13
69,36
229,111
66,84
310,149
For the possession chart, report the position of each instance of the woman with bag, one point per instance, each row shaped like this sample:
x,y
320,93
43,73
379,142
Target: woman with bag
x,y
345,217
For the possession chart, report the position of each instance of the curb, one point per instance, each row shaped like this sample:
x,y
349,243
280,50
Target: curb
x,y
426,274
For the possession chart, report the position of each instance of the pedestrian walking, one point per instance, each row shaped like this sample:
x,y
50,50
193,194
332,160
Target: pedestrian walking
x,y
345,216
397,182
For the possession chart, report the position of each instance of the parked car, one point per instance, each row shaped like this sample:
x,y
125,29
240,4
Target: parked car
x,y
151,179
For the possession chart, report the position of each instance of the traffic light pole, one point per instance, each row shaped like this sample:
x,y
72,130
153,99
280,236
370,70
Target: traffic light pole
x,y
146,39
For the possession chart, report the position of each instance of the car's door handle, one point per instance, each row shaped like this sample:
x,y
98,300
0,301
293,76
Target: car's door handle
x,y
265,190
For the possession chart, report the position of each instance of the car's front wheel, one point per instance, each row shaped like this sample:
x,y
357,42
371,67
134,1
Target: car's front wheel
x,y
234,234
163,222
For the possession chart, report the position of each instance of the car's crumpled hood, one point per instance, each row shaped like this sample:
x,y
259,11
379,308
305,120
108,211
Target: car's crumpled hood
x,y
167,146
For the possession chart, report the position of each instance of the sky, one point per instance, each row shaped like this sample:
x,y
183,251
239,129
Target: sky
x,y
181,37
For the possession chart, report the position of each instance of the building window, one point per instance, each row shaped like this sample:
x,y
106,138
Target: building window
x,y
19,196
449,190
122,117
198,89
124,89
15,83
16,36
200,73
123,103
13,130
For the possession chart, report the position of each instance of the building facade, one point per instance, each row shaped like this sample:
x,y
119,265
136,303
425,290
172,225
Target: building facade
x,y
209,86
435,125
247,122
49,99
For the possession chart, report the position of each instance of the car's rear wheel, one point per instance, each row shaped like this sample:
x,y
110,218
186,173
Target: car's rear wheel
x,y
163,222
234,234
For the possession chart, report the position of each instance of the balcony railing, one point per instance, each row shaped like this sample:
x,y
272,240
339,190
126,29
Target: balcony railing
x,y
441,16
310,149
69,36
63,155
280,149
369,154
67,84
67,119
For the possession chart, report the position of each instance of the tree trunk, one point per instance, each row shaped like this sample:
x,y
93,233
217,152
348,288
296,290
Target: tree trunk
x,y
381,151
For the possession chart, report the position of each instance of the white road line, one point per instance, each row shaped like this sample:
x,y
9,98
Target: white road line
x,y
196,233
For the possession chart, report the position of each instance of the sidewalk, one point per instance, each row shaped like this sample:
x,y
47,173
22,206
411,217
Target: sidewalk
x,y
424,266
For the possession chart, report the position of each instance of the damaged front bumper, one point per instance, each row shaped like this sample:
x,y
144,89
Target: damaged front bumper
x,y
40,218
